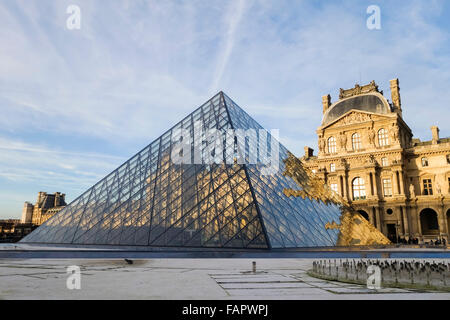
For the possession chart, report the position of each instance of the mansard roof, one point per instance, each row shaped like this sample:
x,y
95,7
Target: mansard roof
x,y
373,102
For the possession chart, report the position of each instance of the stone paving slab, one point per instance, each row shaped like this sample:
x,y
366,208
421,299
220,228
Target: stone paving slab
x,y
269,278
325,284
265,285
215,279
365,290
295,293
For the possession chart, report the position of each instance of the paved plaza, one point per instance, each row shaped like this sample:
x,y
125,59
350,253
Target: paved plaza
x,y
183,279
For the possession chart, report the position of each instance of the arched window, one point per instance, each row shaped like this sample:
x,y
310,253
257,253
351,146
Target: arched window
x,y
331,145
364,214
383,139
356,141
424,162
359,188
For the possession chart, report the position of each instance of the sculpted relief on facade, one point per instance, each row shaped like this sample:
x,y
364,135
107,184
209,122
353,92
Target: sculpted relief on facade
x,y
343,141
322,144
371,136
395,133
354,117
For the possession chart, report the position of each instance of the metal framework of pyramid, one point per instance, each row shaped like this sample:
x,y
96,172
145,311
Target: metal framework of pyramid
x,y
152,201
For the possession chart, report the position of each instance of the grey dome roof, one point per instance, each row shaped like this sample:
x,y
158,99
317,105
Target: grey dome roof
x,y
371,102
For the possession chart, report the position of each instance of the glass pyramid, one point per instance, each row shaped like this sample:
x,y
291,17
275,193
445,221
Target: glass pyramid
x,y
153,201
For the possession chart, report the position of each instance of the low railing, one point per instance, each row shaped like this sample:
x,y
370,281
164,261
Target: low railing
x,y
393,273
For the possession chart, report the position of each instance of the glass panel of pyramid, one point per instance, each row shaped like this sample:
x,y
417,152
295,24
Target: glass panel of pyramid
x,y
218,201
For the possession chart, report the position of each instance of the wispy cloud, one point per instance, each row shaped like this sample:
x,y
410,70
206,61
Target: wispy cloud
x,y
28,168
234,16
75,104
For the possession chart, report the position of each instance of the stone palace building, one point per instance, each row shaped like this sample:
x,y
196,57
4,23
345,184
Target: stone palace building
x,y
368,155
45,207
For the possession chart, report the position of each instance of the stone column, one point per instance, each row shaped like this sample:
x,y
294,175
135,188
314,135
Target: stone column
x,y
368,177
405,220
442,221
402,182
375,182
419,225
371,217
378,217
341,185
344,180
446,225
394,182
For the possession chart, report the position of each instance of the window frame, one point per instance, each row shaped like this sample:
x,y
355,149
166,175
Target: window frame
x,y
331,145
387,186
356,142
383,137
359,189
427,185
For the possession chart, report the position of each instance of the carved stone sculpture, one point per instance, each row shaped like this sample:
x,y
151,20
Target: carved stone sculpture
x,y
372,136
371,87
438,188
354,117
395,132
343,141
371,159
322,144
412,193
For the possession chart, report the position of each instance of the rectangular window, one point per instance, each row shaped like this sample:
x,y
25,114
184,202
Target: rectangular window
x,y
427,187
356,142
383,139
387,187
359,189
332,145
332,167
334,187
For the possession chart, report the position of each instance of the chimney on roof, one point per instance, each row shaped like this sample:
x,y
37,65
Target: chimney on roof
x,y
40,198
308,152
326,102
57,199
435,134
395,95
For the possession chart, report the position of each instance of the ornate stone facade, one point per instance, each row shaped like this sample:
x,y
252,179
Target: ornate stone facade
x,y
368,155
46,206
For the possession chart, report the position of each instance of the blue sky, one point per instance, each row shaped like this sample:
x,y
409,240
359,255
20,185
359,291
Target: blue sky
x,y
75,104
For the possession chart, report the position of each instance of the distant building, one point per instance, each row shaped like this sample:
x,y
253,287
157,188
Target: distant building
x,y
367,154
46,206
7,225
11,230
